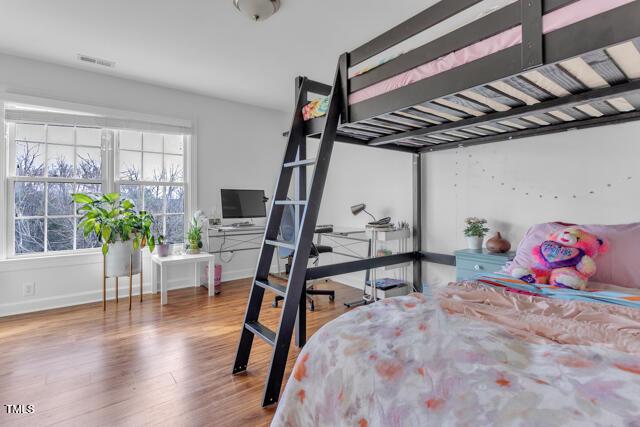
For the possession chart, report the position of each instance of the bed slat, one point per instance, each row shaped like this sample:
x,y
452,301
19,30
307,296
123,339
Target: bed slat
x,y
602,64
559,76
627,57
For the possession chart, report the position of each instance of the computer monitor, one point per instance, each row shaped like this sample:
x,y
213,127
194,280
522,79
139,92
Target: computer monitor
x,y
243,203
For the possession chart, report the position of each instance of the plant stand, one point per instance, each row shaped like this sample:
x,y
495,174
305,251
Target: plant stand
x,y
104,283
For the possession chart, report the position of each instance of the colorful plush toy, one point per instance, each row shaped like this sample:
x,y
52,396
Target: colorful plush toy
x,y
566,259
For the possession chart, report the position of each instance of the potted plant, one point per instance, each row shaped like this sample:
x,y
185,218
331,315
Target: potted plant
x,y
194,236
121,229
163,246
475,231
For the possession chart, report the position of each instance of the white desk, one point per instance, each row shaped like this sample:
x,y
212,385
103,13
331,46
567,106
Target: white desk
x,y
221,239
162,265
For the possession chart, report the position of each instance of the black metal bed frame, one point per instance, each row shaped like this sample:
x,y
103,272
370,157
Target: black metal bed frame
x,y
376,123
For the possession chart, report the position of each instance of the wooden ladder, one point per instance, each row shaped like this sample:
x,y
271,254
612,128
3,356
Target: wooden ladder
x,y
294,292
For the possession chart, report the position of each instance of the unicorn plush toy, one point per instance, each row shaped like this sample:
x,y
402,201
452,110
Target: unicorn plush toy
x,y
565,259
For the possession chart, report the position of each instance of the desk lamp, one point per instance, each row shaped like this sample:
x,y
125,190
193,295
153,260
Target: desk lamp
x,y
361,207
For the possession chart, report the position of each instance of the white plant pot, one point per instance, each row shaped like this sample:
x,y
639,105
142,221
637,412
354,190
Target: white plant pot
x,y
119,257
474,242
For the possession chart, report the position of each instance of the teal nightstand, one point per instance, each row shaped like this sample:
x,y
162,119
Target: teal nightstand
x,y
471,263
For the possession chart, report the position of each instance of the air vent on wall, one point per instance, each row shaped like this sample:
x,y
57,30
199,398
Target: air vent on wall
x,y
96,61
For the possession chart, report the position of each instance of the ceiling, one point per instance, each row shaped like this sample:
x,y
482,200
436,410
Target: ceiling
x,y
202,46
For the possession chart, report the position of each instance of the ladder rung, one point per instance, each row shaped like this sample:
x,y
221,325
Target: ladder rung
x,y
281,244
299,163
278,289
262,331
291,202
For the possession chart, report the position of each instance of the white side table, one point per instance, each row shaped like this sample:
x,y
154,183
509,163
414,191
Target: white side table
x,y
161,266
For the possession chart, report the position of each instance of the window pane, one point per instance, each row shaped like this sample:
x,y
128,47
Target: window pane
x,y
29,236
29,199
90,241
152,142
59,199
28,132
130,140
60,160
60,234
60,134
175,199
153,199
133,193
158,226
173,168
88,163
89,136
88,188
29,159
130,165
173,144
152,167
175,228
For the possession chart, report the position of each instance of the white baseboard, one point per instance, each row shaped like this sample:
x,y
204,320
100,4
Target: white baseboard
x,y
29,305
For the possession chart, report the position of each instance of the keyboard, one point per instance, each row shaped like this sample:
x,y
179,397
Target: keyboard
x,y
324,228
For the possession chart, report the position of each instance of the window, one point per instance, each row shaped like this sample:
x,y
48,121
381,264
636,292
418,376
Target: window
x,y
49,162
151,173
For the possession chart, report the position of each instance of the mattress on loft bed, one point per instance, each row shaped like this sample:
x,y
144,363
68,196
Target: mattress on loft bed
x,y
472,354
558,19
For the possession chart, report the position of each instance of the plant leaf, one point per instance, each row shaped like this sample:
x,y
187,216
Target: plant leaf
x,y
81,198
111,197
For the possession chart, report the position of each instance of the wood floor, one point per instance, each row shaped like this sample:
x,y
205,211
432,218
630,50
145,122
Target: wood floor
x,y
153,366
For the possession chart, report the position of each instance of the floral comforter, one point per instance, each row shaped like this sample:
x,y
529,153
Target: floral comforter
x,y
406,362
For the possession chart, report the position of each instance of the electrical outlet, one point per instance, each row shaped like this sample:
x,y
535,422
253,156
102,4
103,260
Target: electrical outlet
x,y
29,289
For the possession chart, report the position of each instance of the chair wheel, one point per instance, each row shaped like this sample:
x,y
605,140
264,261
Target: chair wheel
x,y
332,298
274,304
312,307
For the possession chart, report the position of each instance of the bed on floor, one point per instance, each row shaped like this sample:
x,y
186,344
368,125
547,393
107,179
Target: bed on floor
x,y
492,351
469,355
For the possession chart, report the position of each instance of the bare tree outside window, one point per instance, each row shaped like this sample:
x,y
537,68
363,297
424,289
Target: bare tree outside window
x,y
156,161
54,161
45,216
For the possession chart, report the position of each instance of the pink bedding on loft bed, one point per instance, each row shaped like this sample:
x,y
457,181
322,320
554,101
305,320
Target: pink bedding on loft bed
x,y
560,18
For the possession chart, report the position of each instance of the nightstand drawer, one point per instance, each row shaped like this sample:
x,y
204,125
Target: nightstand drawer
x,y
468,272
470,263
478,266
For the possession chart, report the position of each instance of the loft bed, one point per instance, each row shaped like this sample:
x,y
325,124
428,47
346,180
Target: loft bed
x,y
496,78
528,68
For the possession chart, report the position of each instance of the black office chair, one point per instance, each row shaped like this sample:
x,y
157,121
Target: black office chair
x,y
288,234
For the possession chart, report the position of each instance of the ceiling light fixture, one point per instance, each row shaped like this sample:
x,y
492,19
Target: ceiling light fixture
x,y
257,10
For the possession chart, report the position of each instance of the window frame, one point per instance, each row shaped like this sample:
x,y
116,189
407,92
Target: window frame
x,y
12,179
110,181
118,182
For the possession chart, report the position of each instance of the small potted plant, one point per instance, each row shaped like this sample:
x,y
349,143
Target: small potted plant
x,y
163,246
121,229
475,231
194,236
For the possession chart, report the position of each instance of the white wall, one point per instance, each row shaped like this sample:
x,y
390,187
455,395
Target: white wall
x,y
239,146
518,183
382,179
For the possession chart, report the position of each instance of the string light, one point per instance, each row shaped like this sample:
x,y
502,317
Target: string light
x,y
458,174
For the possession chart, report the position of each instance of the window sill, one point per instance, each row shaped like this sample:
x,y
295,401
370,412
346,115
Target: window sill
x,y
49,261
35,262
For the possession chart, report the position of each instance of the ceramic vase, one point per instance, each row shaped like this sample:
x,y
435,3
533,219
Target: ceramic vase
x,y
163,250
474,242
498,245
119,258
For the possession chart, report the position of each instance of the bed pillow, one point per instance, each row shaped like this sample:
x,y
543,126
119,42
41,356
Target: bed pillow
x,y
619,266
